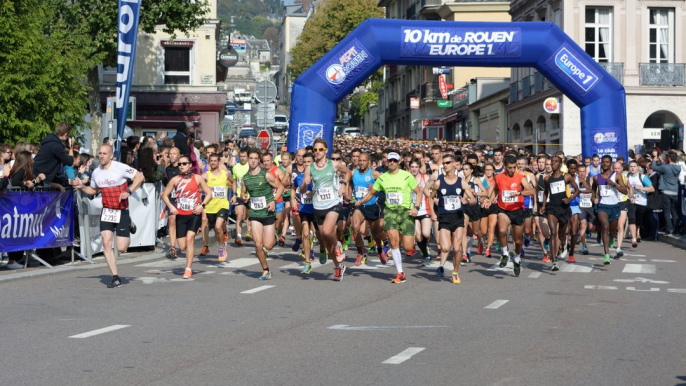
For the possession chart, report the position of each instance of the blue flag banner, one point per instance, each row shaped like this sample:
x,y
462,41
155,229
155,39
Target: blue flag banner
x,y
35,220
127,34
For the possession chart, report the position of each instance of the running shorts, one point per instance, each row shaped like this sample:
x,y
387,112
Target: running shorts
x,y
451,221
398,218
187,223
516,216
612,211
122,229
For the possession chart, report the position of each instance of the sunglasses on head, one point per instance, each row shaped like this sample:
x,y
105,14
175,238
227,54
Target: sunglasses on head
x,y
317,149
184,163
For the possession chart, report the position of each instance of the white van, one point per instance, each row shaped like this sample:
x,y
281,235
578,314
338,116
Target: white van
x,y
352,132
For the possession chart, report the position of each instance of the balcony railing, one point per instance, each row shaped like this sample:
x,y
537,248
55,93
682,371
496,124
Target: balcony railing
x,y
430,91
514,92
526,87
429,3
661,74
615,69
538,82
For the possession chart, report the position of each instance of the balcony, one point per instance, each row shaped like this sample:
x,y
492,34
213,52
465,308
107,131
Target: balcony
x,y
430,3
614,69
661,74
392,108
538,82
526,87
431,92
514,92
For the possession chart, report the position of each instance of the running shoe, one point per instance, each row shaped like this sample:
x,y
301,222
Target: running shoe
x,y
469,257
338,273
386,248
463,260
517,267
546,244
171,253
619,254
503,261
564,253
497,246
523,253
634,243
412,252
546,257
311,254
188,273
248,237
296,245
222,253
339,252
427,260
314,240
456,278
226,237
302,254
571,259
307,269
399,279
364,259
588,234
205,250
114,283
346,241
440,271
555,267
322,257
266,274
638,239
598,238
527,241
239,241
358,260
584,250
606,260
612,243
480,248
282,241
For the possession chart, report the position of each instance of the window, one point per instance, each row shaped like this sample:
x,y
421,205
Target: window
x,y
177,65
599,34
661,44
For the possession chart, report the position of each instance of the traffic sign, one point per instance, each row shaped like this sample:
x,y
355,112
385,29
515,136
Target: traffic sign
x,y
264,139
265,91
225,126
445,104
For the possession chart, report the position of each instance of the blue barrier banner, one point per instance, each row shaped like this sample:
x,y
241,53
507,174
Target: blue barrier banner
x,y
606,142
574,69
37,220
127,32
461,42
308,132
350,61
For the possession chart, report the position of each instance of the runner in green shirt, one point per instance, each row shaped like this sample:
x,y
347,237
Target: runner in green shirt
x,y
258,184
400,210
237,202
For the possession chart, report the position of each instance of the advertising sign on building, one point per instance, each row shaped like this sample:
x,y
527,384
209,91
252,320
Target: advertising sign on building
x,y
443,86
414,103
551,105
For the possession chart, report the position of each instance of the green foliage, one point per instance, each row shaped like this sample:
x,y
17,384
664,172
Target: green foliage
x,y
42,69
333,21
249,16
361,101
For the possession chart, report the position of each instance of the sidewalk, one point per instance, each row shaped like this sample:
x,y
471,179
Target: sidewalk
x,y
676,241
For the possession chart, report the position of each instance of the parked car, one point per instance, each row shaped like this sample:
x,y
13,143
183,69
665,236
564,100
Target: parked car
x,y
230,108
352,132
338,130
280,123
242,97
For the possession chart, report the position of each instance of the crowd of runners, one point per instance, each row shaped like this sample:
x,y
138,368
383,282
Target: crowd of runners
x,y
436,201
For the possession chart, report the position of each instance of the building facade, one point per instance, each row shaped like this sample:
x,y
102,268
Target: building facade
x,y
296,15
639,42
174,80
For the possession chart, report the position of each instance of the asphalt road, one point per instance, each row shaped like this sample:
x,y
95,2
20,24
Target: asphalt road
x,y
588,324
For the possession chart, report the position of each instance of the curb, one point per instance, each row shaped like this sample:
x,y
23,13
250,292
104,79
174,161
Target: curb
x,y
679,242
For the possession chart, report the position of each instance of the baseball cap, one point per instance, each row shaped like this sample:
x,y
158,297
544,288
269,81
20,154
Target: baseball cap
x,y
393,155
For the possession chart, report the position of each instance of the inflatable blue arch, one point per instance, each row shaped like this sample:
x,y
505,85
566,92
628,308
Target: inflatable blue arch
x,y
542,45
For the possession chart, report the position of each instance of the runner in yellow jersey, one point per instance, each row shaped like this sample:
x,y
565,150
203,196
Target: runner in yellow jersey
x,y
217,209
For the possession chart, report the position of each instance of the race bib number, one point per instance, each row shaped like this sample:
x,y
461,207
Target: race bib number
x,y
219,192
186,204
306,199
258,203
110,215
606,191
540,195
325,194
557,187
509,196
585,201
452,203
360,192
394,198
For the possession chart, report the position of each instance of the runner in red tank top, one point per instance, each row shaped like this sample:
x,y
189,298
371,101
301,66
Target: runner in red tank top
x,y
511,187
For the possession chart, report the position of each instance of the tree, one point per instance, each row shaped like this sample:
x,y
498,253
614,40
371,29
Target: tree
x,y
42,71
361,101
96,21
333,21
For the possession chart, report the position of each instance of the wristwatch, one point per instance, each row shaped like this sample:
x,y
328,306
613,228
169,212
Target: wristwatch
x,y
129,191
203,205
416,207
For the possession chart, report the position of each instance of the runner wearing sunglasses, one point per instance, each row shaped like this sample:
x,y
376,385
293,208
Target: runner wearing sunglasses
x,y
323,174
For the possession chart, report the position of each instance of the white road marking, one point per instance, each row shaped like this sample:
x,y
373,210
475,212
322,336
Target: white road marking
x,y
677,290
639,268
167,263
662,261
632,255
645,290
534,275
372,265
496,304
258,289
238,263
508,267
345,327
641,280
600,287
576,267
299,266
101,331
206,273
435,264
403,356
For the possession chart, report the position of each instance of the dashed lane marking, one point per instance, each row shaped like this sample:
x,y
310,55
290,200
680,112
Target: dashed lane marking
x,y
496,304
403,356
100,331
258,289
